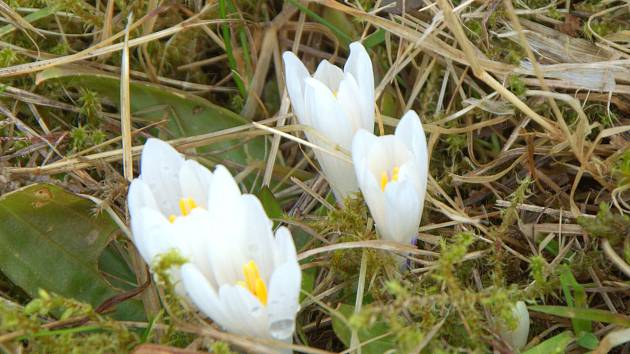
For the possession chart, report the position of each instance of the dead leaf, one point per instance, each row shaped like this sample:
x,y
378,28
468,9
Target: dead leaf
x,y
571,26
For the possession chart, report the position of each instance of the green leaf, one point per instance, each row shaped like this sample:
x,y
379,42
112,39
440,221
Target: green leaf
x,y
374,39
308,282
341,21
270,204
553,345
586,314
378,346
51,239
588,340
30,18
575,296
187,114
343,36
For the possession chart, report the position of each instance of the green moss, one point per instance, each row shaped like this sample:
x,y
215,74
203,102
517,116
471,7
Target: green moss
x,y
554,13
79,8
475,28
351,223
78,138
8,57
612,226
101,335
516,85
221,348
540,273
90,106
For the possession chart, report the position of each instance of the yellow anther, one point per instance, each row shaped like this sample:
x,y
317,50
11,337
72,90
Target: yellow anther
x,y
186,205
261,291
386,179
253,282
395,172
171,218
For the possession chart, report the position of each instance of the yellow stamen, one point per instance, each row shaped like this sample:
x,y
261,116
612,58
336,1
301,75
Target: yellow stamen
x,y
187,205
395,172
253,282
171,218
386,179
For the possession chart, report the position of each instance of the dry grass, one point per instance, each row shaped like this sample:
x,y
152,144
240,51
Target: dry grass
x,y
526,108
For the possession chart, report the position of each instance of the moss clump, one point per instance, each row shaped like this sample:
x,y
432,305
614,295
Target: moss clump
x,y
612,226
445,300
90,105
516,85
351,223
621,169
221,348
102,335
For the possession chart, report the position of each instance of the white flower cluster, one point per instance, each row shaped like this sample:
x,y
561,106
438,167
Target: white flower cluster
x,y
239,273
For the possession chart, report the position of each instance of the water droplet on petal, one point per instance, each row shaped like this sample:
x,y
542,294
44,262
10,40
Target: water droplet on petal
x,y
282,329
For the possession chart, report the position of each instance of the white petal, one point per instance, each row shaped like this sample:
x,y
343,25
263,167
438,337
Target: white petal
x,y
517,337
381,156
257,245
329,75
229,233
402,212
296,73
193,236
360,66
326,114
348,97
226,254
155,234
284,247
331,121
362,142
339,174
159,169
410,132
224,195
194,181
138,197
249,315
284,291
203,295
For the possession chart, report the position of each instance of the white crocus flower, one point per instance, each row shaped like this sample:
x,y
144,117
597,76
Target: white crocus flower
x,y
170,192
336,104
239,274
517,337
255,278
392,173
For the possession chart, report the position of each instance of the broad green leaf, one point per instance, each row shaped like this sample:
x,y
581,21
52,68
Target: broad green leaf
x,y
51,239
186,114
378,346
586,314
553,345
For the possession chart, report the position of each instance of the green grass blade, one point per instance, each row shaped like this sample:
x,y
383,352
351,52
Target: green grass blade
x,y
586,314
